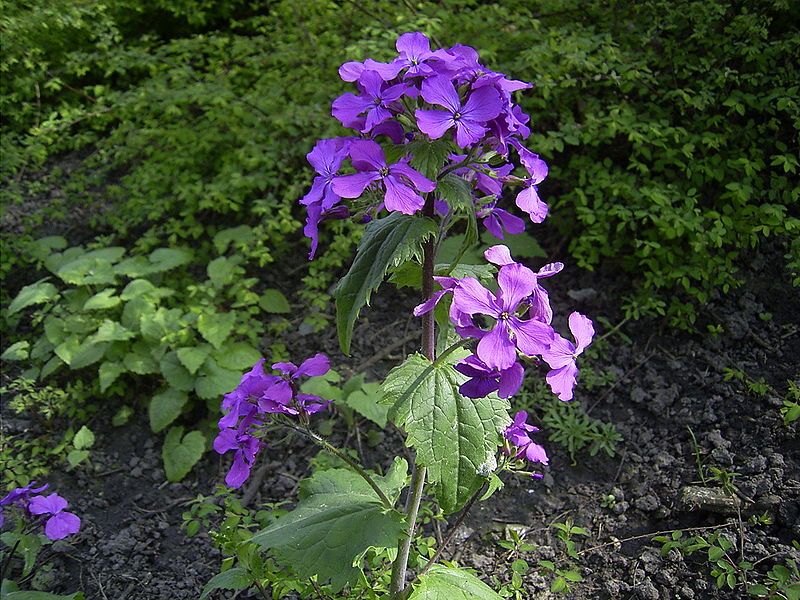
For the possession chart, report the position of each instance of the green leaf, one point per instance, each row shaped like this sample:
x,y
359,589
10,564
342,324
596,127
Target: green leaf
x,y
273,301
216,327
76,457
136,288
455,437
428,157
139,363
87,270
16,351
36,293
366,402
111,331
24,595
237,356
28,546
165,407
108,374
181,452
386,243
450,583
40,249
242,234
339,517
102,300
522,245
83,439
122,416
87,354
164,259
175,373
214,381
232,579
193,358
220,270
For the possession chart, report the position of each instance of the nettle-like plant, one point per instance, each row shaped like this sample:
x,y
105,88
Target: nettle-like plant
x,y
437,134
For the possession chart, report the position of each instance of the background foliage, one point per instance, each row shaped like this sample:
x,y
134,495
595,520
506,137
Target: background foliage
x,y
671,130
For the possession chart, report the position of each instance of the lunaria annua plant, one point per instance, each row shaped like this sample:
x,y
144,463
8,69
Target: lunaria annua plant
x,y
436,149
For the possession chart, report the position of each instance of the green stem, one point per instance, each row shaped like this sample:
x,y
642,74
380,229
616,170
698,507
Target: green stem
x,y
326,445
414,497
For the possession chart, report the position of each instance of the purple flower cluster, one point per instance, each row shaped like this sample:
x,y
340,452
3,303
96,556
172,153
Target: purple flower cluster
x,y
258,394
425,94
520,324
59,522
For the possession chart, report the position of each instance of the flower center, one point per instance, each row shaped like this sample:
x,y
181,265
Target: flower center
x,y
384,171
504,316
456,116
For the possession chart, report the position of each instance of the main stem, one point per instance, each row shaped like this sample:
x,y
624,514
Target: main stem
x,y
418,473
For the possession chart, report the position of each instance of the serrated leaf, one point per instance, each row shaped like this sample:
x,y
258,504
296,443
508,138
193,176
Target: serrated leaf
x,y
386,243
366,402
273,301
232,579
242,234
83,439
139,363
455,437
111,331
450,583
36,293
216,327
339,517
165,407
193,358
87,270
16,351
181,452
87,354
164,259
136,288
42,248
428,157
102,300
27,546
135,266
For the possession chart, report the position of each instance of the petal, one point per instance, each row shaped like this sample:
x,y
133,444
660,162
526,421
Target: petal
x,y
483,105
511,380
540,305
498,255
239,472
62,525
493,226
511,223
468,132
440,91
351,71
516,282
387,71
401,197
50,504
413,45
352,186
280,392
347,107
536,453
582,329
317,365
391,129
434,123
422,183
367,155
533,337
535,166
472,298
429,304
327,155
560,353
496,348
562,381
376,116
311,228
528,200
478,387
550,269
225,441
314,195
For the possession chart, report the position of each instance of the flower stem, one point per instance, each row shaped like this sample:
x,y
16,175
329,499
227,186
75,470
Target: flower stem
x,y
326,445
414,498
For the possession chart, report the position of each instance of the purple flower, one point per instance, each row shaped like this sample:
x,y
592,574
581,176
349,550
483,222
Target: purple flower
x,y
283,396
326,158
415,56
251,388
528,199
498,221
518,434
375,101
19,495
485,380
399,180
245,447
497,347
61,523
469,119
562,354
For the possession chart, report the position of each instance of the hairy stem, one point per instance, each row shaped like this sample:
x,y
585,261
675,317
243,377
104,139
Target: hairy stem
x,y
326,445
414,498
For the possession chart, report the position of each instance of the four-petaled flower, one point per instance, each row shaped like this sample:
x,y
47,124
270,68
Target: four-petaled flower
x,y
375,102
400,182
61,523
484,380
19,495
283,395
469,119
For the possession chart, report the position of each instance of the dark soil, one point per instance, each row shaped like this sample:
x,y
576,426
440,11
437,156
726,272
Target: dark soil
x,y
667,382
